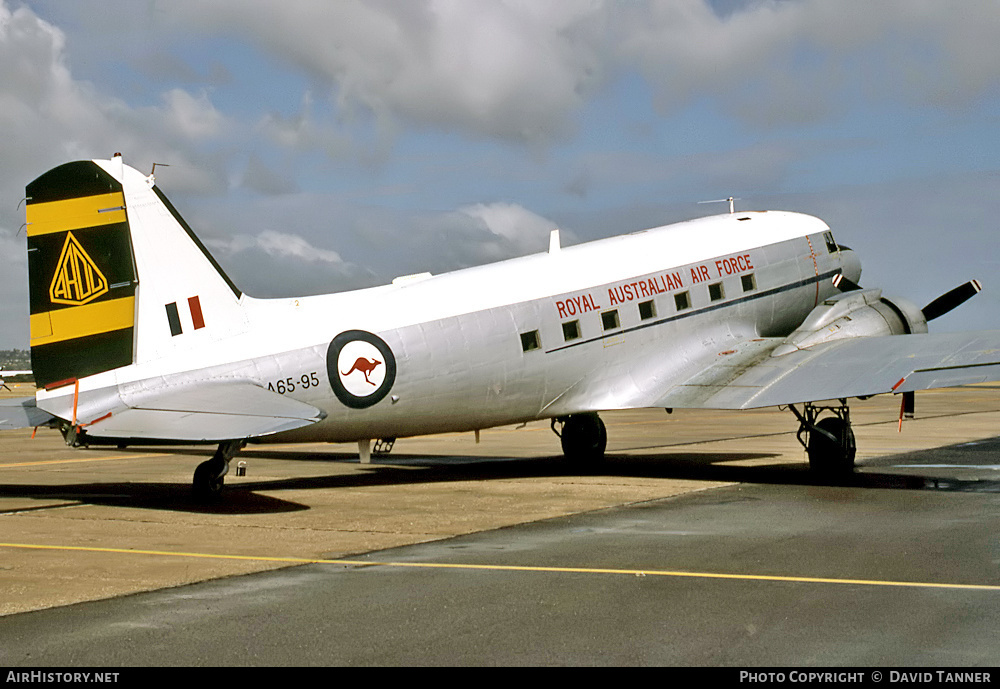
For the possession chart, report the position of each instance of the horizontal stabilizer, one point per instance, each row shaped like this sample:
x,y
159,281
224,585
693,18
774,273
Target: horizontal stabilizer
x,y
21,412
205,412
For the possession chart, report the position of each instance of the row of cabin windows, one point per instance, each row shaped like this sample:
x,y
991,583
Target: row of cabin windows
x,y
647,310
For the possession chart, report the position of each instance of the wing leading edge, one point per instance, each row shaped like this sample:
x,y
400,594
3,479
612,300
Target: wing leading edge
x,y
856,367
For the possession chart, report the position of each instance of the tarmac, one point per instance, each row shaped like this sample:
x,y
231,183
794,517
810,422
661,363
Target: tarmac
x,y
93,524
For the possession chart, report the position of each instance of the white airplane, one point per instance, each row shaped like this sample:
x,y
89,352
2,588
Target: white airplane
x,y
3,383
137,335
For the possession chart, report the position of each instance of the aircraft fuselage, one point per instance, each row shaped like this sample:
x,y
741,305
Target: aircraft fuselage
x,y
552,354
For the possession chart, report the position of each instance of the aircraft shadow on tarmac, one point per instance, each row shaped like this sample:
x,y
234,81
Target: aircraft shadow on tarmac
x,y
244,496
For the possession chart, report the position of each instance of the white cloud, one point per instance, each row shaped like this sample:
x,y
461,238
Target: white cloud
x,y
508,69
50,117
281,264
526,231
278,245
191,118
791,62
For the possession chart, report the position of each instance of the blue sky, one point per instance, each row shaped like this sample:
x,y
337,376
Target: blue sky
x,y
319,147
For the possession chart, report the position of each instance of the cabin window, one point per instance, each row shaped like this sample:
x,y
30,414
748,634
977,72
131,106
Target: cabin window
x,y
610,319
682,300
716,292
531,341
831,243
571,330
749,282
647,310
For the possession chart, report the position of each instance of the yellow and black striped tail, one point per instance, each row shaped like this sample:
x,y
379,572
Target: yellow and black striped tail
x,y
81,274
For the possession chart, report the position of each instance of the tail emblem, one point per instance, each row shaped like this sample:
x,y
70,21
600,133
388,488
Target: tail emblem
x,y
77,280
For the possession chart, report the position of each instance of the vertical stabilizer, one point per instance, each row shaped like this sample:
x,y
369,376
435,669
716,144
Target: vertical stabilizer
x,y
116,276
184,300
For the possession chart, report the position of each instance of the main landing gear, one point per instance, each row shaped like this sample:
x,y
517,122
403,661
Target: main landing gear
x,y
584,437
210,474
829,442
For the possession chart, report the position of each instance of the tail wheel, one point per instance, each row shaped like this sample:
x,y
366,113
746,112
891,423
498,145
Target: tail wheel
x,y
209,476
584,438
832,447
207,483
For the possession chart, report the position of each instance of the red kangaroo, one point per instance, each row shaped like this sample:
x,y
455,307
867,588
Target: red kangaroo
x,y
365,366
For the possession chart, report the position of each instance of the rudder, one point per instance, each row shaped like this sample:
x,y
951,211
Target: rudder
x,y
81,274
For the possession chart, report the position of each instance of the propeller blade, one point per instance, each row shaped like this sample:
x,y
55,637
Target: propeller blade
x,y
844,284
949,300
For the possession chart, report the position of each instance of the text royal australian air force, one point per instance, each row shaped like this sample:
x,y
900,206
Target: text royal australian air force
x,y
690,260
650,286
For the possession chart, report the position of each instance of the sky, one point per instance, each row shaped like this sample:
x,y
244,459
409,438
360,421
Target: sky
x,y
323,146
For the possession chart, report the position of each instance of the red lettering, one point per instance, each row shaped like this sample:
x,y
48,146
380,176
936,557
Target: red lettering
x,y
749,264
644,288
628,292
719,265
612,296
677,280
561,308
590,302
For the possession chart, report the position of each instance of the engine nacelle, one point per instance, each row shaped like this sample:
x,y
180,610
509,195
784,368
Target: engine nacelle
x,y
861,313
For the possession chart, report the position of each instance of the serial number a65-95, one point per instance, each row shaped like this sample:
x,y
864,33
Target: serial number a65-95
x,y
305,381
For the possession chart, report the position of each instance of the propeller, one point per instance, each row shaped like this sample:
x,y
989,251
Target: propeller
x,y
949,300
844,284
940,306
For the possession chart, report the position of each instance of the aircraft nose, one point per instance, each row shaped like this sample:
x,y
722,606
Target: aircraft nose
x,y
850,264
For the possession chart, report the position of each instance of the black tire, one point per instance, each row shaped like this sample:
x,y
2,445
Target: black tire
x,y
207,484
829,457
584,438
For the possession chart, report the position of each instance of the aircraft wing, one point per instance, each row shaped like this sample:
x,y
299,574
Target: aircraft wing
x,y
197,412
749,377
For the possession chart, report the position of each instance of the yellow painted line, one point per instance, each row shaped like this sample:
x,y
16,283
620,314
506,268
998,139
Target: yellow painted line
x,y
74,214
517,568
77,461
82,321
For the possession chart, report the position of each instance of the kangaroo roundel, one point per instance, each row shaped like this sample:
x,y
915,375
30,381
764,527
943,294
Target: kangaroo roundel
x,y
361,367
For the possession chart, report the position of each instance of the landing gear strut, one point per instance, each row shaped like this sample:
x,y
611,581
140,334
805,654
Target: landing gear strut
x,y
210,474
829,442
584,437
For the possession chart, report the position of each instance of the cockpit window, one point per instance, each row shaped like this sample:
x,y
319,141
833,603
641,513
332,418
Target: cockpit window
x,y
831,243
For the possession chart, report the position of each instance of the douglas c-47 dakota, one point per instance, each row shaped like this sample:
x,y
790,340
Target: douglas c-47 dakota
x,y
138,336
